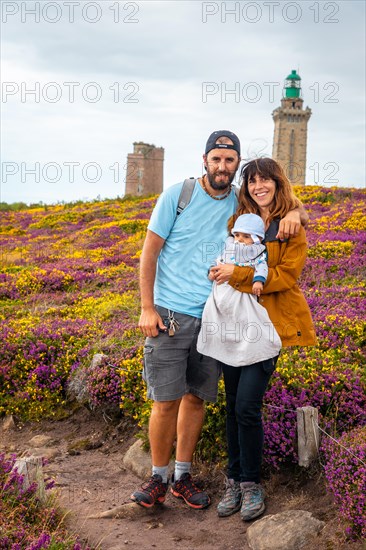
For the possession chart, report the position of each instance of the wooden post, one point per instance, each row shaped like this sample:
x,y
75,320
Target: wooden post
x,y
307,435
31,468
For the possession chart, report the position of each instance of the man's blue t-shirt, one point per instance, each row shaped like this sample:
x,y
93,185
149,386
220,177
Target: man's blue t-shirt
x,y
193,240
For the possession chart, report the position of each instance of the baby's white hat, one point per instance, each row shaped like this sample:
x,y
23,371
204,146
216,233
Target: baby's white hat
x,y
249,223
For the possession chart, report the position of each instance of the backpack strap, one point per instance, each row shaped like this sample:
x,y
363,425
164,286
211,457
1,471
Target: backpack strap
x,y
187,191
185,194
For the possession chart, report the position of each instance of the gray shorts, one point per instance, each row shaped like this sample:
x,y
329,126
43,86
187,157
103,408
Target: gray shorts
x,y
173,367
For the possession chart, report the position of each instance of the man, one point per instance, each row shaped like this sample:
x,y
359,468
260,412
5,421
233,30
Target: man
x,y
176,255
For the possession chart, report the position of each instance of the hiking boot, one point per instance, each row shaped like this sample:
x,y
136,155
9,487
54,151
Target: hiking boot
x,y
231,501
152,491
186,489
252,504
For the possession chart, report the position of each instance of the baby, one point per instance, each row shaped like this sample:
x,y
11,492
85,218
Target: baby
x,y
245,249
236,329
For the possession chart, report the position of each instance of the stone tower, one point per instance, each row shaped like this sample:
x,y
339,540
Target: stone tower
x,y
145,170
290,131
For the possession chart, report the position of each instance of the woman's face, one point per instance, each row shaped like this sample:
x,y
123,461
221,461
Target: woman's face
x,y
262,191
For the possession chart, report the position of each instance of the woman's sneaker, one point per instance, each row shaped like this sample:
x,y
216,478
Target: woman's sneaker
x,y
252,504
186,489
154,490
231,501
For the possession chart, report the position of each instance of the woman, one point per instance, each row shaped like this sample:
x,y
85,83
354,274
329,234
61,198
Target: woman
x,y
267,192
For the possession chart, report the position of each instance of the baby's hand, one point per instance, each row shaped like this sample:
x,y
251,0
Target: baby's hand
x,y
212,271
257,288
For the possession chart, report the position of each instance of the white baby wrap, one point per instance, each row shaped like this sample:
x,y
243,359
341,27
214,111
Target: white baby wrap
x,y
236,329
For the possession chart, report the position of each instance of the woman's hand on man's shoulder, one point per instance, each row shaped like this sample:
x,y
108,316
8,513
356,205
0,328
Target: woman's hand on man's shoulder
x,y
289,225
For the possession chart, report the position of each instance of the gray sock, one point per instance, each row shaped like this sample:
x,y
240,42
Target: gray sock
x,y
161,471
181,468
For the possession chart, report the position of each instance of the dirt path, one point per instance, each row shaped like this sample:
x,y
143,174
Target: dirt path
x,y
90,479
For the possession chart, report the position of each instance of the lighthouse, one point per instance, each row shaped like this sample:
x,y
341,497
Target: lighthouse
x,y
290,130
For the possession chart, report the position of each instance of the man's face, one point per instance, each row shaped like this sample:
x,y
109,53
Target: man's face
x,y
222,165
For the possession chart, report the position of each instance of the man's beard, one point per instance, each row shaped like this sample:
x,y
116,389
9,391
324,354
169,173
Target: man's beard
x,y
219,186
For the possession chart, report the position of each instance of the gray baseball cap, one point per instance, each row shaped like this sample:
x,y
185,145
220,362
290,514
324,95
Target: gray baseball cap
x,y
211,142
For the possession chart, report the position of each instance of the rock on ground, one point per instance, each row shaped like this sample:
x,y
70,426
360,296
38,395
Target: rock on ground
x,y
47,453
8,423
130,510
40,441
139,461
291,530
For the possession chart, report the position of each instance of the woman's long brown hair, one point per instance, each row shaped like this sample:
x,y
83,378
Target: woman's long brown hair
x,y
284,198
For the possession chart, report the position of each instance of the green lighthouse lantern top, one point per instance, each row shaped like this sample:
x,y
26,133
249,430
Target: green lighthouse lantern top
x,y
292,87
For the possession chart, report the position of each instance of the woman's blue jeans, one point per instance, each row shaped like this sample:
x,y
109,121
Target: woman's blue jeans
x,y
245,388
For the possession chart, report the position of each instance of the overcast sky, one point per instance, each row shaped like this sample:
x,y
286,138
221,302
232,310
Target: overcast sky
x,y
83,80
